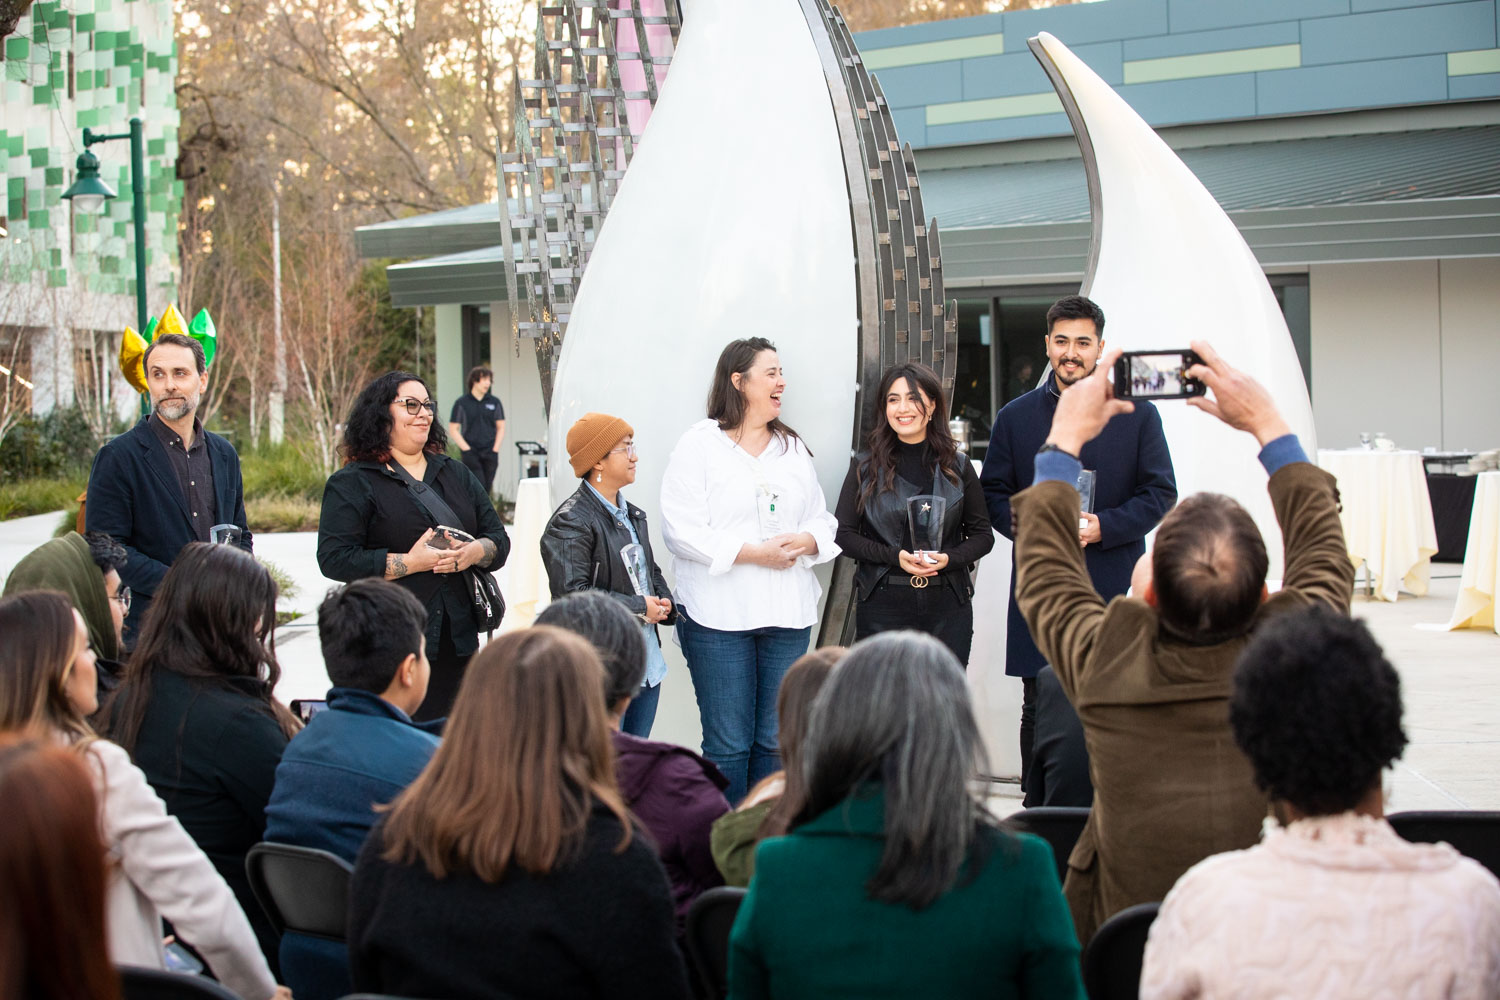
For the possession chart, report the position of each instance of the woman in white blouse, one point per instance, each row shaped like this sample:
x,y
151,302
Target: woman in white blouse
x,y
47,685
746,521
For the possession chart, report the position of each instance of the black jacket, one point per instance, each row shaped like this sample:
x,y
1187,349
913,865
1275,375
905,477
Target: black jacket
x,y
581,550
598,925
209,746
367,514
135,498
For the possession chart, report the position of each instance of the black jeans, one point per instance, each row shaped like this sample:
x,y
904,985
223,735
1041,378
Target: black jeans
x,y
938,610
482,462
448,666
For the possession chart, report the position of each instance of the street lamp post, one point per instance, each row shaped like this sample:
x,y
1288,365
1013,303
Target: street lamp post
x,y
90,193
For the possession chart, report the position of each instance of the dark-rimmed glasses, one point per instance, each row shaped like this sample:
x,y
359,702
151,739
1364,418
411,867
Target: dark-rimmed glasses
x,y
413,404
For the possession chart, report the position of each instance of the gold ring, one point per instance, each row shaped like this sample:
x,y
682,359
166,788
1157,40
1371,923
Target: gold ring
x,y
919,582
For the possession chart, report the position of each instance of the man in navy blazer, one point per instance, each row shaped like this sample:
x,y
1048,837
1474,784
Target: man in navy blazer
x,y
165,482
1134,487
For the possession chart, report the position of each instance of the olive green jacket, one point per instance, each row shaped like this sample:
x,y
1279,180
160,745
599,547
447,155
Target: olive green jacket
x,y
1170,786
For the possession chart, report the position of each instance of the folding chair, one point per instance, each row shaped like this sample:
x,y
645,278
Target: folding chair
x,y
708,922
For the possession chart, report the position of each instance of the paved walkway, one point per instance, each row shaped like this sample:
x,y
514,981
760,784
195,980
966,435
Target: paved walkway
x,y
1450,680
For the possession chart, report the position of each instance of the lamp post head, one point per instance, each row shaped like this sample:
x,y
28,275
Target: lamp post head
x,y
89,192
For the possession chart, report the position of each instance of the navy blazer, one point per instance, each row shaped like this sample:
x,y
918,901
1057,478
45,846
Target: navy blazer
x,y
135,497
1133,490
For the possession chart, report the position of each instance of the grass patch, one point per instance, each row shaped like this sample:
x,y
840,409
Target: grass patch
x,y
25,497
280,512
285,585
280,471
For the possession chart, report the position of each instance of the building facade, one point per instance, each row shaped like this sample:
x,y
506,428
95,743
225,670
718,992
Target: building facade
x,y
67,277
1354,143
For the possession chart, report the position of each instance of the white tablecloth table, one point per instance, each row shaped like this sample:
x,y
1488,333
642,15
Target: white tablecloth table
x,y
527,590
1387,516
1480,583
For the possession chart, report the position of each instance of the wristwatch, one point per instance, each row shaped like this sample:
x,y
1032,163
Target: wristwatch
x,y
1060,450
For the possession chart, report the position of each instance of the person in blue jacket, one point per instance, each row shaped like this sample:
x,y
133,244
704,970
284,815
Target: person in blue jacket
x,y
1134,487
357,755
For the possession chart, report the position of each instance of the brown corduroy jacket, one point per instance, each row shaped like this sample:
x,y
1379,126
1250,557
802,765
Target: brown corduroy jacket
x,y
1170,786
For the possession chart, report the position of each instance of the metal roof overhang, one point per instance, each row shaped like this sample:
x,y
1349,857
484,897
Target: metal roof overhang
x,y
1375,196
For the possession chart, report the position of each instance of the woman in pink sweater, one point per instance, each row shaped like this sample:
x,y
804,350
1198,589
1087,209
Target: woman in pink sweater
x,y
1332,902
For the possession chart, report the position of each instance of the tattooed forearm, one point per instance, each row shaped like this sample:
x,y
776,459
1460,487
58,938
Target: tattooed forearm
x,y
488,544
395,566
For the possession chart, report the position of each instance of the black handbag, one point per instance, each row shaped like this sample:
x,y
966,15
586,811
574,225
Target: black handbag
x,y
487,602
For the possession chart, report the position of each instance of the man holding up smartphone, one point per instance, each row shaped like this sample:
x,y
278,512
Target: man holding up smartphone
x,y
1134,487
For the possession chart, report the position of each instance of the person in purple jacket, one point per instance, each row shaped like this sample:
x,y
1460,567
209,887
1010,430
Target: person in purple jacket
x,y
675,793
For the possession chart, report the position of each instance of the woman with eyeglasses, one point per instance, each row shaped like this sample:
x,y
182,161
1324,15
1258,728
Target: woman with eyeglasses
x,y
582,544
376,521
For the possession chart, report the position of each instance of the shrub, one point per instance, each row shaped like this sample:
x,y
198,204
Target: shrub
x,y
281,471
25,497
50,447
286,587
279,512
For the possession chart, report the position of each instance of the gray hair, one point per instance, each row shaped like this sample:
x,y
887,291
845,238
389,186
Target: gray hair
x,y
897,712
613,631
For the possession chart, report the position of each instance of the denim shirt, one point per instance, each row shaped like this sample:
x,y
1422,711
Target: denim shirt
x,y
656,666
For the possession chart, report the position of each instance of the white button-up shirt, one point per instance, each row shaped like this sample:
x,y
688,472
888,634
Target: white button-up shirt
x,y
711,508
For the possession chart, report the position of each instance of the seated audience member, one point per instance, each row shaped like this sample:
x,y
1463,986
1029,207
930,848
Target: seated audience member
x,y
87,569
196,713
675,793
52,935
1150,675
768,810
47,687
894,881
357,755
1332,899
511,866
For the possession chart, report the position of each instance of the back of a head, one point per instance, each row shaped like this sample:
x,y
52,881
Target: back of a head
x,y
1208,569
52,877
800,687
1317,708
525,755
212,617
614,633
367,629
896,712
36,651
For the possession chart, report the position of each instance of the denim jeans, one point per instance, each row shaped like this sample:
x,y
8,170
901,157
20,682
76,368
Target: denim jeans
x,y
736,677
641,713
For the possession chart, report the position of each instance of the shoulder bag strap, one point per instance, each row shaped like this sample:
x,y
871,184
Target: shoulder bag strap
x,y
427,497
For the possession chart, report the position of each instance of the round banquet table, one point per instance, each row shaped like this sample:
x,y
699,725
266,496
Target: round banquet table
x,y
1387,516
1480,582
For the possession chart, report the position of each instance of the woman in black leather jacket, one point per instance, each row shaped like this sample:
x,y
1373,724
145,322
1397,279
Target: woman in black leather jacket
x,y
909,454
581,546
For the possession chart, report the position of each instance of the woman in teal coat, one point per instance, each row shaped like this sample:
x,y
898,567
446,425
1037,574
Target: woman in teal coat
x,y
896,882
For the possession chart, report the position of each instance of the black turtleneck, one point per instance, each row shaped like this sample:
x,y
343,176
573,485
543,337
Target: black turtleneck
x,y
916,464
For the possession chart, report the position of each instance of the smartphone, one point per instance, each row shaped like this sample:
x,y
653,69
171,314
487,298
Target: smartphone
x,y
1156,375
446,538
306,708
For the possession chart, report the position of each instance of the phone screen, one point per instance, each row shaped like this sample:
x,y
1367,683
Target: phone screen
x,y
306,708
1156,375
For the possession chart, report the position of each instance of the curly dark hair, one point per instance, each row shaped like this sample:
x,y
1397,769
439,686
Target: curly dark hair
x,y
367,432
1317,708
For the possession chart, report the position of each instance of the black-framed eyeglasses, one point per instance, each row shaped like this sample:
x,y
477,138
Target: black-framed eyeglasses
x,y
123,596
413,404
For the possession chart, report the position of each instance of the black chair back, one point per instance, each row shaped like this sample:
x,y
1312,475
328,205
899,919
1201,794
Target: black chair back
x,y
1112,960
1473,833
708,922
1059,826
302,890
156,984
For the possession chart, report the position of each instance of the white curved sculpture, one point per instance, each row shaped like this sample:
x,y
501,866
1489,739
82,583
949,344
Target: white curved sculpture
x,y
733,221
1168,266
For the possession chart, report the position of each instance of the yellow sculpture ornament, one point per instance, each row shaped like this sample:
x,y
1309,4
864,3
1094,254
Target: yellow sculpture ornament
x,y
132,354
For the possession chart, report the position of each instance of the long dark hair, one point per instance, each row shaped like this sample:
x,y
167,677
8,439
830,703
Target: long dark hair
x,y
52,876
878,471
367,432
37,634
896,713
726,404
211,619
525,755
